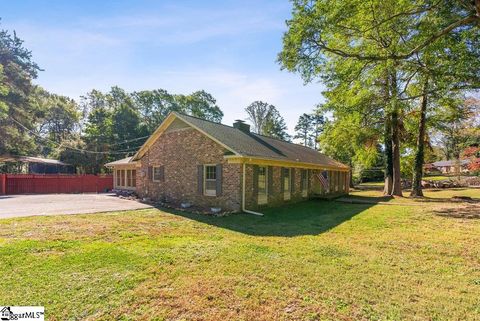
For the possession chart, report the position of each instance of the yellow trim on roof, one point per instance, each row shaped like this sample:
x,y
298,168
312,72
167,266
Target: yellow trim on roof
x,y
234,159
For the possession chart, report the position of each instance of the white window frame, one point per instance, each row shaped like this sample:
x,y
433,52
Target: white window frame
x,y
262,198
153,174
133,179
118,177
121,175
287,193
209,192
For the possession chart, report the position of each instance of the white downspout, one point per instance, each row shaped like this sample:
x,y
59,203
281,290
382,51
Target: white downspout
x,y
243,196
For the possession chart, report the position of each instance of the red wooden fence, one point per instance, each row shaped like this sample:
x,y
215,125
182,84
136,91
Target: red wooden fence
x,y
47,184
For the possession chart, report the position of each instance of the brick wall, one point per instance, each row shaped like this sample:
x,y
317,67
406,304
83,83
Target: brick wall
x,y
276,195
275,192
180,152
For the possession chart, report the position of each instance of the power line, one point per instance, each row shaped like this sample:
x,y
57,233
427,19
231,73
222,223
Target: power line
x,y
129,140
133,149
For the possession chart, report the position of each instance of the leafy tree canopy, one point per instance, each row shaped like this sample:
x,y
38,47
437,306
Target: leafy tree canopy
x,y
266,120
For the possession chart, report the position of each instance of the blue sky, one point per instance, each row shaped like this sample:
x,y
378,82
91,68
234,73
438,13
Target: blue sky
x,y
228,48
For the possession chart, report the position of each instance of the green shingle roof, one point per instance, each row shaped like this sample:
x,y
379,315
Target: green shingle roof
x,y
259,146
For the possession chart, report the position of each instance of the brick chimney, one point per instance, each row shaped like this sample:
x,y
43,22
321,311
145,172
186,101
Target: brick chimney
x,y
240,124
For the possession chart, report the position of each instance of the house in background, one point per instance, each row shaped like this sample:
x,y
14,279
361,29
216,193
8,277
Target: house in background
x,y
208,164
34,165
448,166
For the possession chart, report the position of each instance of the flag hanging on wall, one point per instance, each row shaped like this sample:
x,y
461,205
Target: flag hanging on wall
x,y
323,178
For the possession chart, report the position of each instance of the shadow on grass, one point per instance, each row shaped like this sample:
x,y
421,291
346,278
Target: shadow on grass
x,y
466,211
306,218
407,200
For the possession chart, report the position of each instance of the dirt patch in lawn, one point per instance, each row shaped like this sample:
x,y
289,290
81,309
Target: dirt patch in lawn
x,y
470,211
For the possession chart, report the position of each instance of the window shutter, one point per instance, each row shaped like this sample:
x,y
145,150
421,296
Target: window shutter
x,y
255,180
150,173
292,180
219,179
162,173
200,179
270,180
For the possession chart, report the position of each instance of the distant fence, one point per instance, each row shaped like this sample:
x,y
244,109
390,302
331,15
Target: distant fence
x,y
49,184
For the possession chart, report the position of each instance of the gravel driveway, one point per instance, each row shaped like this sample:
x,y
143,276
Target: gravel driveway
x,y
52,204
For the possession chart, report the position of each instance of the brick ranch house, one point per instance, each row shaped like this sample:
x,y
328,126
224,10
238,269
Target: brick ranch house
x,y
208,164
448,166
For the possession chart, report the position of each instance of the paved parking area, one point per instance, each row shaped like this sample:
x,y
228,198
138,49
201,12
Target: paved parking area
x,y
53,204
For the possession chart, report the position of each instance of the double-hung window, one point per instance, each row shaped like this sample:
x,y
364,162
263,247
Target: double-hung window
x,y
262,185
286,184
210,180
157,174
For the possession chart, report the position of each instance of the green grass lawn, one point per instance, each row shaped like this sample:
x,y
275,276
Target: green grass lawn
x,y
427,178
318,260
439,178
381,183
443,177
431,195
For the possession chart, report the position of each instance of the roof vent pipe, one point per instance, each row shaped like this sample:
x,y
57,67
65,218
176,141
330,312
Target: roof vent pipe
x,y
240,124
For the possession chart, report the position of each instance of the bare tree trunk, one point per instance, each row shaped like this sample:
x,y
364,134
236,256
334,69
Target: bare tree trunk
x,y
397,179
387,189
420,154
350,178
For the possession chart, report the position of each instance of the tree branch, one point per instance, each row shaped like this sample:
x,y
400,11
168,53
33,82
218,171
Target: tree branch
x,y
465,21
408,13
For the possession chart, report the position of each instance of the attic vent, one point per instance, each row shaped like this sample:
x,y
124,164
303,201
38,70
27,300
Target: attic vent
x,y
240,124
